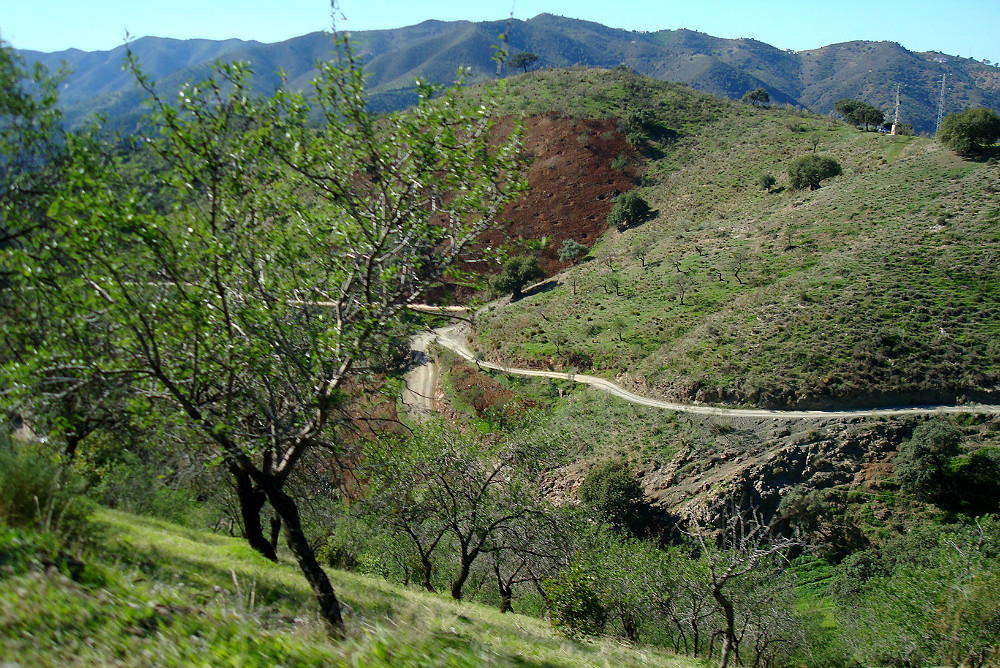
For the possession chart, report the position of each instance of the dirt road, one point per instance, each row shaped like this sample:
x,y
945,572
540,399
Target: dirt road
x,y
421,379
454,338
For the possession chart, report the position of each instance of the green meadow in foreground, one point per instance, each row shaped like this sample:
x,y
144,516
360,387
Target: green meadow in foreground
x,y
147,592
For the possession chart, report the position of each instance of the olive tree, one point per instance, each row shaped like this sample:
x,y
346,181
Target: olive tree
x,y
811,169
970,130
282,268
860,113
628,209
517,272
755,97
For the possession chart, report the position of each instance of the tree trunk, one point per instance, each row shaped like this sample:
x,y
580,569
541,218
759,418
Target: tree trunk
x,y
506,592
284,506
251,502
463,575
425,561
275,531
729,633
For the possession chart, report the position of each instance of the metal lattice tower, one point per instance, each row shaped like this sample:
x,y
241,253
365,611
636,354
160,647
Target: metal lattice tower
x,y
895,119
940,114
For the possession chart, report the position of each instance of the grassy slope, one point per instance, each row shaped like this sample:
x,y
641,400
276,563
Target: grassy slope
x,y
158,594
880,287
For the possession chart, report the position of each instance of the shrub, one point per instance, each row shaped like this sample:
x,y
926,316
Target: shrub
x,y
767,182
571,250
923,464
616,497
38,491
628,209
575,606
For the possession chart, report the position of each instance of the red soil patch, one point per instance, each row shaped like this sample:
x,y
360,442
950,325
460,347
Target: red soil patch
x,y
571,183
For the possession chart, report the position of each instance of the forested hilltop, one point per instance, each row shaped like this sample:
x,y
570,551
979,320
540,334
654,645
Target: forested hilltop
x,y
814,79
235,433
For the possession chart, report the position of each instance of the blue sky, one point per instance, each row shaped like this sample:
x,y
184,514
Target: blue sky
x,y
967,28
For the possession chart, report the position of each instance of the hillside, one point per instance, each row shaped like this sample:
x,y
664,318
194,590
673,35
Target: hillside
x,y
433,50
148,592
879,288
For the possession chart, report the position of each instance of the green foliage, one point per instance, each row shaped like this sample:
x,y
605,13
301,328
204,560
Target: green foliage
x,y
932,597
970,131
523,59
39,491
571,250
240,323
616,496
860,113
810,169
902,204
629,209
575,607
923,465
767,182
755,97
517,272
818,518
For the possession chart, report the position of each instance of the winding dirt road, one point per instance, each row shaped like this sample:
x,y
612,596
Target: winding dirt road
x,y
455,339
421,378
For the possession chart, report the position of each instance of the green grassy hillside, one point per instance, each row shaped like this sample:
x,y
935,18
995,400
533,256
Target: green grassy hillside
x,y
880,287
152,593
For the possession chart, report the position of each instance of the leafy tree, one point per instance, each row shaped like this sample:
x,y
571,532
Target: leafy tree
x,y
517,272
34,150
628,209
756,97
970,130
524,60
979,482
283,270
860,113
809,170
931,597
616,497
817,516
571,250
923,464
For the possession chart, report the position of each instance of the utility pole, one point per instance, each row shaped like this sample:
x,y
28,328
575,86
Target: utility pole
x,y
940,114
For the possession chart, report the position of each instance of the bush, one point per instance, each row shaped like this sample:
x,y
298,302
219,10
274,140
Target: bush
x,y
38,491
571,250
810,170
767,182
575,607
923,464
629,208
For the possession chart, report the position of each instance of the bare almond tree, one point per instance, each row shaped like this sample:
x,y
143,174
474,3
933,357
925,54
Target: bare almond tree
x,y
740,548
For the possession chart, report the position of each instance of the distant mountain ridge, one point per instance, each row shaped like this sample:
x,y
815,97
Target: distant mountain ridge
x,y
433,51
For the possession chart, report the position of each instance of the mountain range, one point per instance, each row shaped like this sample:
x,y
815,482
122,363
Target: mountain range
x,y
433,50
